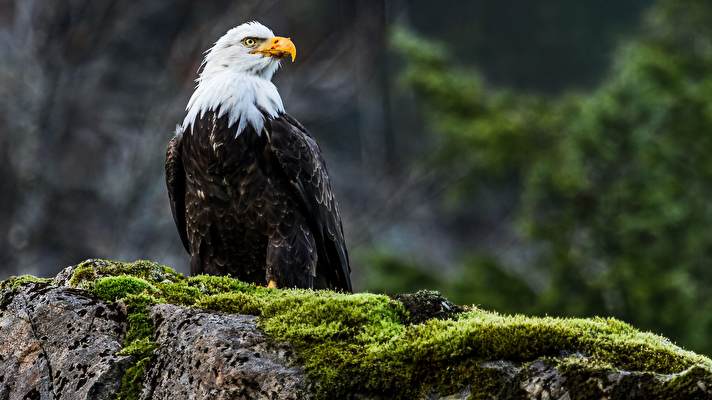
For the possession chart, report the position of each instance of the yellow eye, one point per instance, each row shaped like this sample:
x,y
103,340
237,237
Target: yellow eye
x,y
249,42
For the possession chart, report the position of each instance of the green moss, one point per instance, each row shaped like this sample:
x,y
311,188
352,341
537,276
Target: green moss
x,y
357,342
360,342
138,343
233,302
111,288
140,347
141,350
140,326
211,284
178,293
132,381
587,376
87,272
15,282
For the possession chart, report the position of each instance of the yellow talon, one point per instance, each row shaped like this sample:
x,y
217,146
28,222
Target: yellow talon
x,y
272,284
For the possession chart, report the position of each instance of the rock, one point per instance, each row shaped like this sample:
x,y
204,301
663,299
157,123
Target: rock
x,y
427,304
59,343
204,355
109,330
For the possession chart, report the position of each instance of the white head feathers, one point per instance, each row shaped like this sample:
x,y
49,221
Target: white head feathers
x,y
237,80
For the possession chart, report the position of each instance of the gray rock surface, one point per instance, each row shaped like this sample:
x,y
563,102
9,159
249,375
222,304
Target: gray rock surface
x,y
62,343
205,355
58,343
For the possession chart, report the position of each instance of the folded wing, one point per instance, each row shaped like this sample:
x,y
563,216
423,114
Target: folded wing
x,y
299,159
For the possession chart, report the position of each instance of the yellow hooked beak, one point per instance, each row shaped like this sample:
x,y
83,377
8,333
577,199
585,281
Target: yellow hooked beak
x,y
277,47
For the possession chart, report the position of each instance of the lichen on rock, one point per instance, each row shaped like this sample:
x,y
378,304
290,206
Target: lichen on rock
x,y
222,338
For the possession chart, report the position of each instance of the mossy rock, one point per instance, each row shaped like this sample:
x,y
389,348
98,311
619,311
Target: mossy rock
x,y
410,346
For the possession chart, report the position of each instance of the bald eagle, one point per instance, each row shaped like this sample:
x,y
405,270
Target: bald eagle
x,y
248,186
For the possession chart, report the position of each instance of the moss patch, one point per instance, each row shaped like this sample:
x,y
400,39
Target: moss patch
x,y
112,288
138,342
590,377
131,285
88,272
15,282
362,343
232,302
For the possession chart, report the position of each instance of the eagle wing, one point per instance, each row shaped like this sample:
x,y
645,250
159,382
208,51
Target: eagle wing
x,y
299,158
175,180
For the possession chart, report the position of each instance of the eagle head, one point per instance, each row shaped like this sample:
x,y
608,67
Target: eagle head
x,y
236,74
250,48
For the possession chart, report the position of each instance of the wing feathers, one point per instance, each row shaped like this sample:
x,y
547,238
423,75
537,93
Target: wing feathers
x,y
175,180
300,160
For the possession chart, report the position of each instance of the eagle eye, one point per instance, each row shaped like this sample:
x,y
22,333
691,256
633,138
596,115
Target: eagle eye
x,y
249,42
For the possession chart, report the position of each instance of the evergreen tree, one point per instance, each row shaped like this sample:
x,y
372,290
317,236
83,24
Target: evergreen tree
x,y
613,186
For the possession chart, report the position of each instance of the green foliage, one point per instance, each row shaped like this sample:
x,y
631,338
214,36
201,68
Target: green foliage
x,y
390,274
360,342
554,43
613,185
506,128
477,280
485,282
624,204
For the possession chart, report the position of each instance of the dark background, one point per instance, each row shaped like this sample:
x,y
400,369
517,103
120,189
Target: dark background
x,y
537,157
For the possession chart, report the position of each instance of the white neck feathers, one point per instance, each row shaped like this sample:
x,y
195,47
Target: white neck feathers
x,y
246,98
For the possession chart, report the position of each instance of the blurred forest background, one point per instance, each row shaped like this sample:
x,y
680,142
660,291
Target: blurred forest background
x,y
547,157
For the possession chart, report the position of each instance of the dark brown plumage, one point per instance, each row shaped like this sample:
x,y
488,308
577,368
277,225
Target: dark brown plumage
x,y
255,206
